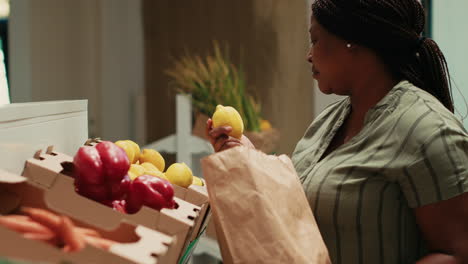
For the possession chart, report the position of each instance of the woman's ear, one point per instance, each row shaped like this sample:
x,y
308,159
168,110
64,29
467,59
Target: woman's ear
x,y
351,47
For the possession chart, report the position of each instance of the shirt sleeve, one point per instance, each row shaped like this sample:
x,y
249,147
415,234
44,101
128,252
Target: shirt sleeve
x,y
440,169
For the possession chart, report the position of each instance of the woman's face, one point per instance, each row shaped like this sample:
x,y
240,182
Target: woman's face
x,y
331,60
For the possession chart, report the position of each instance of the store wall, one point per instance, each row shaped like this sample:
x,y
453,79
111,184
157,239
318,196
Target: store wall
x,y
449,22
92,49
268,37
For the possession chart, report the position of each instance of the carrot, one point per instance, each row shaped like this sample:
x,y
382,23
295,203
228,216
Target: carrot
x,y
44,217
48,238
99,242
42,225
22,225
38,236
17,217
70,236
87,231
67,248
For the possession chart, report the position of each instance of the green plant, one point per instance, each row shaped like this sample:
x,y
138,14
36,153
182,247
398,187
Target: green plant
x,y
214,80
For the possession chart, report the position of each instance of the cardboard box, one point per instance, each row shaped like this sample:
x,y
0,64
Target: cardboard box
x,y
138,244
197,195
48,170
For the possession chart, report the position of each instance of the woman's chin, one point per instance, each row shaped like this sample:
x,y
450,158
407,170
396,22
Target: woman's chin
x,y
324,89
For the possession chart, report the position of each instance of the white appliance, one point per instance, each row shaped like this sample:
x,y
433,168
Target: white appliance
x,y
28,127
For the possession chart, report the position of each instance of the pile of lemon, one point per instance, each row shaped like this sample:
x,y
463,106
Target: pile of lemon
x,y
151,162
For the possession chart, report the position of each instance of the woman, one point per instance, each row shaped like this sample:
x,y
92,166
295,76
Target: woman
x,y
385,169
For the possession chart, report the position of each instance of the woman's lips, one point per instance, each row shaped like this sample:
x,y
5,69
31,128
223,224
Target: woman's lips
x,y
315,72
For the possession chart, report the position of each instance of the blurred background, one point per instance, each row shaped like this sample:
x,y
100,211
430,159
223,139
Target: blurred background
x,y
115,53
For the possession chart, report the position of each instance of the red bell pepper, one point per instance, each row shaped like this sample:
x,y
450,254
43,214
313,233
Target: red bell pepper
x,y
120,189
115,161
100,172
151,191
97,192
88,166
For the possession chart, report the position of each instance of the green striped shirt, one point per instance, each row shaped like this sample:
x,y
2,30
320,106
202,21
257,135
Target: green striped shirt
x,y
410,152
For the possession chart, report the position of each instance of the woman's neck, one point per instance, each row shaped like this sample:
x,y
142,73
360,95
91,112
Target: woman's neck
x,y
369,90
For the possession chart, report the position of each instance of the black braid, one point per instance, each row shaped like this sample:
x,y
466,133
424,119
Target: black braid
x,y
392,28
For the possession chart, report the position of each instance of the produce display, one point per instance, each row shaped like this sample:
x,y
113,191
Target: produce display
x,y
151,162
121,176
57,230
102,174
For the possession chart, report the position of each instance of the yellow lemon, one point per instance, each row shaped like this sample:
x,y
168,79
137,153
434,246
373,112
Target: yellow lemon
x,y
153,157
265,125
136,150
132,175
149,166
180,174
197,181
228,116
128,149
136,171
156,173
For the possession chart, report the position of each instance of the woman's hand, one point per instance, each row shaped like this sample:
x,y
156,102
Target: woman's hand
x,y
220,140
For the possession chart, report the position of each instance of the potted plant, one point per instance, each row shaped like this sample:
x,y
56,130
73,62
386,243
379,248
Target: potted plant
x,y
213,80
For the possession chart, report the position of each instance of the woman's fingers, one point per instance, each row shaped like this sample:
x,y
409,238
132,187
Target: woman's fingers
x,y
213,134
220,131
220,140
216,132
226,142
230,144
209,127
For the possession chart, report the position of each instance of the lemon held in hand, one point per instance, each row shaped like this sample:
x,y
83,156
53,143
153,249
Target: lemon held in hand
x,y
179,174
228,116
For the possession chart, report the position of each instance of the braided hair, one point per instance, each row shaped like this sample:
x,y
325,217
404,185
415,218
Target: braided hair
x,y
392,28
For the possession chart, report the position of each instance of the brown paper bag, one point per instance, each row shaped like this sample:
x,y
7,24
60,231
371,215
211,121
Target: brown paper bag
x,y
260,210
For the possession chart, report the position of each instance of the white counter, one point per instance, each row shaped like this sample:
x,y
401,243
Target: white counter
x,y
28,127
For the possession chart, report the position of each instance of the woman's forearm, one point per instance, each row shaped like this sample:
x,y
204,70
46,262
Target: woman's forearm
x,y
438,258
